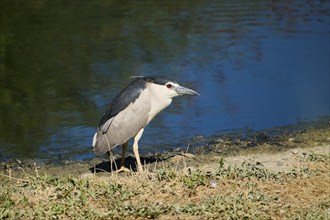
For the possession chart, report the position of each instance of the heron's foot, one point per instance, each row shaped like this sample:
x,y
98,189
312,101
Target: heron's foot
x,y
123,169
140,170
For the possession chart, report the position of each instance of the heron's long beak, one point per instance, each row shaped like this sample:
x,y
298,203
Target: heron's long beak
x,y
185,91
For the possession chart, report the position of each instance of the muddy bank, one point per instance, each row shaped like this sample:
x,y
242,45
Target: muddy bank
x,y
277,153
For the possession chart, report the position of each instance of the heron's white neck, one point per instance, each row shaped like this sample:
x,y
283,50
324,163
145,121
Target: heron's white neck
x,y
159,99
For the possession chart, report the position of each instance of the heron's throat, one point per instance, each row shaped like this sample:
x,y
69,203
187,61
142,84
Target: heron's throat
x,y
158,102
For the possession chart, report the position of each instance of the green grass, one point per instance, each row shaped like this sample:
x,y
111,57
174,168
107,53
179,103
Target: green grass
x,y
318,157
245,192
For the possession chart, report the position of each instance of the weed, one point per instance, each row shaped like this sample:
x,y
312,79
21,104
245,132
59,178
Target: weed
x,y
240,206
318,157
165,174
193,179
246,170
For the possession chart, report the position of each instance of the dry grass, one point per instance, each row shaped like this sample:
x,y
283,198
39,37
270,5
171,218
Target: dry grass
x,y
249,191
291,184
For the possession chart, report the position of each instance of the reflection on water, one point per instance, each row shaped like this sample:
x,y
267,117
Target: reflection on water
x,y
256,65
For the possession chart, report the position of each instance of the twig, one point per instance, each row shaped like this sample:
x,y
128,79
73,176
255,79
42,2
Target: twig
x,y
13,178
187,148
35,169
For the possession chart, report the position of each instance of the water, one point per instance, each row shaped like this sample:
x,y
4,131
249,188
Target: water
x,y
257,65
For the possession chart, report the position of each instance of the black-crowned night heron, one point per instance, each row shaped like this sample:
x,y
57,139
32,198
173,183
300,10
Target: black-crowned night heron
x,y
131,111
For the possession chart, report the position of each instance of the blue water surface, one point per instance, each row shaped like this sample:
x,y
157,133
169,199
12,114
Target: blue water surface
x,y
256,64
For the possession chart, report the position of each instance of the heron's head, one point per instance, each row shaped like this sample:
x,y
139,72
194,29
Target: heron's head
x,y
166,88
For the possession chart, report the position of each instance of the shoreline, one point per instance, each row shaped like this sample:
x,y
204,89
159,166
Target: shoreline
x,y
239,139
227,146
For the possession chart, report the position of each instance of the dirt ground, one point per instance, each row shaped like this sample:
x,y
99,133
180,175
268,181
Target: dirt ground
x,y
286,176
282,154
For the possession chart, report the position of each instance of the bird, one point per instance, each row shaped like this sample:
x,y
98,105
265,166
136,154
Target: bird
x,y
131,110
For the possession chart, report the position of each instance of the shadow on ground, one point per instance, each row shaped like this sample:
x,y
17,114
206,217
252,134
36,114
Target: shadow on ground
x,y
130,163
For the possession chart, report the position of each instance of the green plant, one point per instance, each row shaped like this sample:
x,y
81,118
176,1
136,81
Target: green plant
x,y
193,179
165,174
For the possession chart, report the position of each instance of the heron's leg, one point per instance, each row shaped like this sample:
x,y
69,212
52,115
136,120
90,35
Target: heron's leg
x,y
123,154
122,161
136,150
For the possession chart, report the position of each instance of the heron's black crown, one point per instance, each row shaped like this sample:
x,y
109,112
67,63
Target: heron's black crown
x,y
161,80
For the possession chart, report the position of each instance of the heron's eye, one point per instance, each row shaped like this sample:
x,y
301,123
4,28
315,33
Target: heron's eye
x,y
169,85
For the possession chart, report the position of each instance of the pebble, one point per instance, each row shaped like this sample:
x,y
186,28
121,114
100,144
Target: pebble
x,y
295,151
213,183
197,137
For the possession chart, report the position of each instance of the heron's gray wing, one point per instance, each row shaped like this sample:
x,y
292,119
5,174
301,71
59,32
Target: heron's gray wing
x,y
123,126
128,95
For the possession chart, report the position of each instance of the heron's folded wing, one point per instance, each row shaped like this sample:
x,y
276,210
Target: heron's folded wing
x,y
128,95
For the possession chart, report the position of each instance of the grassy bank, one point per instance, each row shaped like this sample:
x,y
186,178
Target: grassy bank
x,y
183,187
